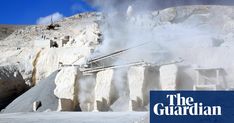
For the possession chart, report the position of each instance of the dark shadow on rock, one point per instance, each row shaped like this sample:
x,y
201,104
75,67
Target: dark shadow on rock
x,y
43,91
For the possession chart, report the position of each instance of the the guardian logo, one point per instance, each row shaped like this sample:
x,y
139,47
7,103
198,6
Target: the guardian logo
x,y
179,105
192,106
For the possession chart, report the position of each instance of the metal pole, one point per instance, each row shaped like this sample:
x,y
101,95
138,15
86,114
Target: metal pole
x,y
114,53
112,67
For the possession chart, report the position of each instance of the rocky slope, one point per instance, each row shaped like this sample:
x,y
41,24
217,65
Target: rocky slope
x,y
72,26
18,50
6,30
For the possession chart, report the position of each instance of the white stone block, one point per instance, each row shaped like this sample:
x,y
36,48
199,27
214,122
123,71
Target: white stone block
x,y
141,80
168,77
104,90
66,85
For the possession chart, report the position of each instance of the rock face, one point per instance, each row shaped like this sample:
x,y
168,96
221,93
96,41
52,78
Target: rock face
x,y
90,36
43,92
12,84
48,60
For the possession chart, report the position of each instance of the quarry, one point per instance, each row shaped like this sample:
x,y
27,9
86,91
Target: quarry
x,y
103,63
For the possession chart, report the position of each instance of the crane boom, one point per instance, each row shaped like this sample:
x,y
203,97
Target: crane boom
x,y
114,54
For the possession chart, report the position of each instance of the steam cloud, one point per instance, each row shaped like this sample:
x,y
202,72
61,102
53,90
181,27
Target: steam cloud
x,y
129,23
156,4
47,20
86,90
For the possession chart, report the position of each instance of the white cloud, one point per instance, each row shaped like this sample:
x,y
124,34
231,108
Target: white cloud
x,y
47,20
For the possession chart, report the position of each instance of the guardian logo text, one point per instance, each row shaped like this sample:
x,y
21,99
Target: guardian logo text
x,y
192,106
179,105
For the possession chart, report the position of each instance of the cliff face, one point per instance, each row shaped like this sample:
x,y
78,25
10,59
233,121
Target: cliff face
x,y
34,63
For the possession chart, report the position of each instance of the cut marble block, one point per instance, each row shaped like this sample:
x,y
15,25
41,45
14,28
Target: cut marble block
x,y
104,90
66,86
168,77
141,80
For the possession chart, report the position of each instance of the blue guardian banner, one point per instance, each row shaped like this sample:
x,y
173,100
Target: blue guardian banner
x,y
192,106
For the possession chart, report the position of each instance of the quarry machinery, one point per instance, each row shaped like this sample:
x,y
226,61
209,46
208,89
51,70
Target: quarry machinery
x,y
113,54
52,26
96,64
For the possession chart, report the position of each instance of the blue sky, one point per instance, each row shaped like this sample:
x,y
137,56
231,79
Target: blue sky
x,y
29,11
